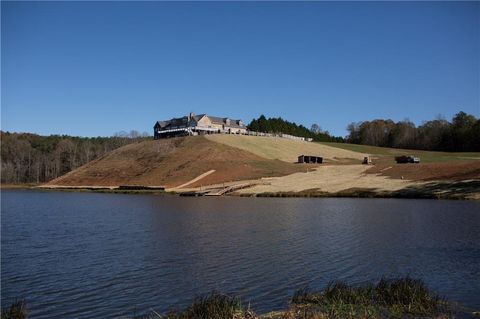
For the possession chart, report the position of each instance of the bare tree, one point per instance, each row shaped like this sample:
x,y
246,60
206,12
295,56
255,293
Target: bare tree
x,y
64,156
87,151
134,134
403,134
354,132
315,128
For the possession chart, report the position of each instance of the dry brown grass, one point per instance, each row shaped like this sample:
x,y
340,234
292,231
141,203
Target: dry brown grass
x,y
284,149
172,162
451,171
329,179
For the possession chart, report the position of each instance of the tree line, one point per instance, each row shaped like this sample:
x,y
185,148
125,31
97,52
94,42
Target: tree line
x,y
279,125
461,134
31,158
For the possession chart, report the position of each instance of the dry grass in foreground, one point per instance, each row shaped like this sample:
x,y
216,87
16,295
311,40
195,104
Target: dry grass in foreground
x,y
388,298
394,298
17,310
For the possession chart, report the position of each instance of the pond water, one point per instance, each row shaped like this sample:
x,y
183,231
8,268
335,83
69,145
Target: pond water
x,y
89,255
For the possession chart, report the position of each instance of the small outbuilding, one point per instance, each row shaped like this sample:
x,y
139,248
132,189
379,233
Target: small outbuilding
x,y
407,159
367,160
310,159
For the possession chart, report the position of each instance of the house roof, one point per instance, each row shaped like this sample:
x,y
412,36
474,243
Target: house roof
x,y
184,121
223,120
198,117
217,120
180,121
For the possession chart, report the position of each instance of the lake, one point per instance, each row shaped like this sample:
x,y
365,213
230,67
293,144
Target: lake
x,y
91,255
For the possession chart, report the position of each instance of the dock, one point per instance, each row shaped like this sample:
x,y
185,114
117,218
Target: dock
x,y
218,191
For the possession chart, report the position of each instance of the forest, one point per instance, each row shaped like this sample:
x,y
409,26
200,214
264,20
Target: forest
x,y
279,125
30,158
461,134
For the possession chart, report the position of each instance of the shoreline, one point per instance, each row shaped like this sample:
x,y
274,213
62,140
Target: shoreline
x,y
453,190
401,297
461,190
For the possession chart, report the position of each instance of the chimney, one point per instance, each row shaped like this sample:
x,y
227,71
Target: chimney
x,y
190,116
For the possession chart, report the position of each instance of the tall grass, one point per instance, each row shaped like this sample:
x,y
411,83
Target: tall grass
x,y
17,310
213,306
389,298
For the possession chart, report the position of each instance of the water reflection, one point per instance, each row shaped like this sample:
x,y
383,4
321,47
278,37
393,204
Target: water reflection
x,y
91,255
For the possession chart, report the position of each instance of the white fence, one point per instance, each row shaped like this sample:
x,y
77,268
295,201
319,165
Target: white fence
x,y
282,135
196,130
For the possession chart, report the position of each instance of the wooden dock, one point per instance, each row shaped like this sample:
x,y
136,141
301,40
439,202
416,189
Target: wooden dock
x,y
228,189
218,191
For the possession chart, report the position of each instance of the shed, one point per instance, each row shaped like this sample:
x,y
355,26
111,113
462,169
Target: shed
x,y
310,159
407,159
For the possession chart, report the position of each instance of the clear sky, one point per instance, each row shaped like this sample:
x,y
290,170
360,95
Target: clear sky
x,y
95,68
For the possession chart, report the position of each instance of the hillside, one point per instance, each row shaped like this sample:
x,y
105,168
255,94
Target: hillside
x,y
172,162
426,156
190,163
285,149
434,165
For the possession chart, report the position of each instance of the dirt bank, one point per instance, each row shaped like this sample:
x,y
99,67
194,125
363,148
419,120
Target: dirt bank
x,y
330,179
452,171
172,162
196,162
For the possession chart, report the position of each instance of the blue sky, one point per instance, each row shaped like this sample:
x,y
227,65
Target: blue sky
x,y
95,68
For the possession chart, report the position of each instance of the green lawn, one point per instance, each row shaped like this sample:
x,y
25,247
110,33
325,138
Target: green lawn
x,y
425,156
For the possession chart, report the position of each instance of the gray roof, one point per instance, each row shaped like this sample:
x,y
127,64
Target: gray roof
x,y
183,121
223,120
180,121
198,117
217,120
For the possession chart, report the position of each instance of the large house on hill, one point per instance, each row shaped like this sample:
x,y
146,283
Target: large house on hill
x,y
198,124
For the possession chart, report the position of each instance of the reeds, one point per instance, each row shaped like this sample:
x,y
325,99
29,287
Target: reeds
x,y
17,310
213,306
389,298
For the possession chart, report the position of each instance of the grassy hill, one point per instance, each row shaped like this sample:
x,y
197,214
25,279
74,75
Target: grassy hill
x,y
172,162
205,160
426,156
286,150
434,165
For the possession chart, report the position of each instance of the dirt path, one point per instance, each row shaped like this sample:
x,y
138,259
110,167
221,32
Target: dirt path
x,y
199,177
